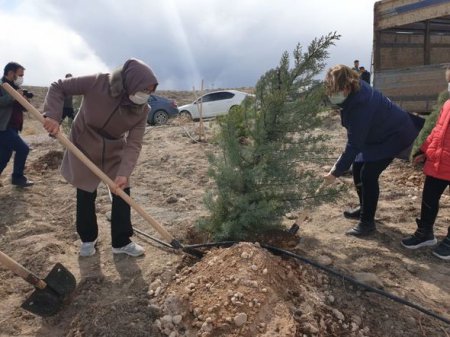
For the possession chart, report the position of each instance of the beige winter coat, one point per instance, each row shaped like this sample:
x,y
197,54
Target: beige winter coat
x,y
108,128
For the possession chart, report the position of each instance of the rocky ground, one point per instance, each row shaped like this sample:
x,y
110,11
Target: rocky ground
x,y
243,290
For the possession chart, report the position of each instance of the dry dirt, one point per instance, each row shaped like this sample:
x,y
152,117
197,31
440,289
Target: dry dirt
x,y
239,291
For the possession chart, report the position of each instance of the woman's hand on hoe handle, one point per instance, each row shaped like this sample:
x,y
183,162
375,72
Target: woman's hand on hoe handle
x,y
120,183
51,126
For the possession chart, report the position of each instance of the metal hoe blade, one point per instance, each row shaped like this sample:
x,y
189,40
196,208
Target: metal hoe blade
x,y
48,301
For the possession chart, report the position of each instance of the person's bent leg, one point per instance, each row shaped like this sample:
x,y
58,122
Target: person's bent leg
x,y
15,143
370,191
370,188
431,194
86,221
6,148
121,228
355,213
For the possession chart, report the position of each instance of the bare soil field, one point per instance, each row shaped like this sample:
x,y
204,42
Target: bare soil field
x,y
243,290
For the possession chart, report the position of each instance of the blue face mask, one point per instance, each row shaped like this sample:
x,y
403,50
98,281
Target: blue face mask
x,y
337,98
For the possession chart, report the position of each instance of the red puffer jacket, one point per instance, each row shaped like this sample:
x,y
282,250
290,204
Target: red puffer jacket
x,y
437,147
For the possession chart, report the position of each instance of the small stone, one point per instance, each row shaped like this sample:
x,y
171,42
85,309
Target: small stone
x,y
264,290
311,329
155,284
166,319
158,291
245,255
324,260
206,327
357,320
369,279
177,319
254,267
240,319
291,216
331,299
265,271
173,334
339,315
172,199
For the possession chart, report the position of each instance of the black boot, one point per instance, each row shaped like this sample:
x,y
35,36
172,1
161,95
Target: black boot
x,y
21,181
353,213
363,228
422,237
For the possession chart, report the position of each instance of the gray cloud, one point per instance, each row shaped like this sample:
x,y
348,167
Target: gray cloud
x,y
226,43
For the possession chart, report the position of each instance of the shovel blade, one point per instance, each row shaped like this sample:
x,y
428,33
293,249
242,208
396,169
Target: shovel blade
x,y
43,302
48,301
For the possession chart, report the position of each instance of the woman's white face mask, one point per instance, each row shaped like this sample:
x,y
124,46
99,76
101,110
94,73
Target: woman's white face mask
x,y
337,98
139,98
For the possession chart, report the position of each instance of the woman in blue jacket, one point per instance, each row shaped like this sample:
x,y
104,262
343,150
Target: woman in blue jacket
x,y
377,131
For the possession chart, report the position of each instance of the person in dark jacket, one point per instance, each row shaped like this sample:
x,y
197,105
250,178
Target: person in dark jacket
x,y
11,123
377,132
364,75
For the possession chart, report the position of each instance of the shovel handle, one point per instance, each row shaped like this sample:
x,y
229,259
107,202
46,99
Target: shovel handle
x,y
99,173
21,271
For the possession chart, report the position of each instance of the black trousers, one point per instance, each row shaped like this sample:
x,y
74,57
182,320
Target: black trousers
x,y
432,191
365,177
86,219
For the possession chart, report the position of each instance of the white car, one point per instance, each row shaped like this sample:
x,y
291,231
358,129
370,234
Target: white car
x,y
213,104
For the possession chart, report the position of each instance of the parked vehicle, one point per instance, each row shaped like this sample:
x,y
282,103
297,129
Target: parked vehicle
x,y
162,109
213,104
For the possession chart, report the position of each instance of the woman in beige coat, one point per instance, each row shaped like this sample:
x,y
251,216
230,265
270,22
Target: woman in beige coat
x,y
108,129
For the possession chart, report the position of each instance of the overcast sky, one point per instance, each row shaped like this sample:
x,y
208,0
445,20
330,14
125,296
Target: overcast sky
x,y
228,43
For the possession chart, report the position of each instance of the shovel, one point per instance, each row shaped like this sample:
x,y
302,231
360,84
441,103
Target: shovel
x,y
50,293
103,177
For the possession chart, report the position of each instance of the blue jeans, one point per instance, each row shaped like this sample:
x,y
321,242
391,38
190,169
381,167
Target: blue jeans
x,y
10,142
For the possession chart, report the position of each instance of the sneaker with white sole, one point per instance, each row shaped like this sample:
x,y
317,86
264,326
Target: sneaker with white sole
x,y
442,251
132,249
419,239
88,248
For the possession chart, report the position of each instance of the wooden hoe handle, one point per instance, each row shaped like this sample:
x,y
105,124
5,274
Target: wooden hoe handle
x,y
21,271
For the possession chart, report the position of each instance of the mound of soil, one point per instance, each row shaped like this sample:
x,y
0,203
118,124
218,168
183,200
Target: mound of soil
x,y
49,161
246,291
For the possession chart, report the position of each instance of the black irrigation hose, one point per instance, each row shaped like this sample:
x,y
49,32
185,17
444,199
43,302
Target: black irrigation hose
x,y
332,272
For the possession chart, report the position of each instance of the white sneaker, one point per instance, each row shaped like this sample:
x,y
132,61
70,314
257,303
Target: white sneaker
x,y
132,249
88,248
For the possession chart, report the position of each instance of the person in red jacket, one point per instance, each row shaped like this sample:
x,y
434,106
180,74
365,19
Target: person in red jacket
x,y
435,151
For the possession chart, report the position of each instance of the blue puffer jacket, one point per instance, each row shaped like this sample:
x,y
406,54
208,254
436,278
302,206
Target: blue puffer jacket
x,y
376,128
